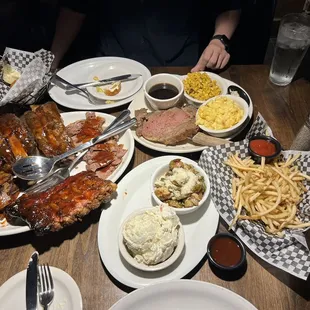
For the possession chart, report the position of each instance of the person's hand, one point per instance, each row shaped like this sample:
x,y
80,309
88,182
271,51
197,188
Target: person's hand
x,y
214,57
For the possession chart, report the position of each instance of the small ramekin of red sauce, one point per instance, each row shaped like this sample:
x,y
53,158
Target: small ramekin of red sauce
x,y
264,146
226,252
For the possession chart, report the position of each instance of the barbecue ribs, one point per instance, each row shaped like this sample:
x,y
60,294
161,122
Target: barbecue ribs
x,y
15,139
63,204
48,129
8,190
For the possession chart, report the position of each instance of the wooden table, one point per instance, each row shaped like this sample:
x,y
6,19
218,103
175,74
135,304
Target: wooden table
x,y
75,250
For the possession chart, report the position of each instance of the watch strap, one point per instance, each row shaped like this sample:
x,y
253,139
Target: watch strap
x,y
223,39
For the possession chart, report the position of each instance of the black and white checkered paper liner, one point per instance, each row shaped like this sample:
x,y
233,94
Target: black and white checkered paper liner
x,y
289,253
34,69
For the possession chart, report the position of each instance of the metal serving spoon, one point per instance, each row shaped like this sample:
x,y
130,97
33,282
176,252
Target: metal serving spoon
x,y
241,93
60,174
34,168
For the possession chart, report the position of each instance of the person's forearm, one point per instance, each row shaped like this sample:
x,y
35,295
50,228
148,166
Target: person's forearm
x,y
67,28
227,22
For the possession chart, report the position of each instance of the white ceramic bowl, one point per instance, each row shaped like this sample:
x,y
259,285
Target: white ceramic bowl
x,y
220,82
165,168
163,104
225,133
130,260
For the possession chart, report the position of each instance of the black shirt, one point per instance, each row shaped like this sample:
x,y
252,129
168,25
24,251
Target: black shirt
x,y
154,32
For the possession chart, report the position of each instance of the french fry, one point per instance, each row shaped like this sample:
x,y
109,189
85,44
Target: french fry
x,y
269,193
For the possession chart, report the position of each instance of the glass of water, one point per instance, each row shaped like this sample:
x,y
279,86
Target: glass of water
x,y
292,44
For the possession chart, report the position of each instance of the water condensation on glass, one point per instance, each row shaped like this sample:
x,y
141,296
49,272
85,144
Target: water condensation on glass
x,y
292,43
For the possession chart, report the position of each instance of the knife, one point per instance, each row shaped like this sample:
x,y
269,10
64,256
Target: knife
x,y
31,282
120,78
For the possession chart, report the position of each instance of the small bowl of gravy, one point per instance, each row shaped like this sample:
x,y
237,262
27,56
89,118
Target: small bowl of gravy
x,y
163,91
226,252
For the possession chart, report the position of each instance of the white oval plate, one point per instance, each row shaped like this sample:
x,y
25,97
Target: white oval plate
x,y
134,192
126,139
183,295
67,294
79,72
139,102
110,70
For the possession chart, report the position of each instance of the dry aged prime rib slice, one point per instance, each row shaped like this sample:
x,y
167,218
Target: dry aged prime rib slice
x,y
63,204
8,190
86,129
104,158
48,129
15,139
168,126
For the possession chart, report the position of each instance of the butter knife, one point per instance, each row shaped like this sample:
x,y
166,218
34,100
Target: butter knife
x,y
31,282
120,78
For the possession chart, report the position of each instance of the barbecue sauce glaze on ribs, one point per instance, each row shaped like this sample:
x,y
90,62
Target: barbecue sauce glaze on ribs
x,y
48,129
63,204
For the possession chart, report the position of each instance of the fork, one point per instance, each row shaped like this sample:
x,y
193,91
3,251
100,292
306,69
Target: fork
x,y
85,92
46,286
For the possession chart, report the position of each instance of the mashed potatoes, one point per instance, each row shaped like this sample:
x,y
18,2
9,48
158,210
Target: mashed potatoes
x,y
219,113
200,86
152,236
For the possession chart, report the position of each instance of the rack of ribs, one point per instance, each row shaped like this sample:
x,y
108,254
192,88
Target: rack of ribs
x,y
63,204
15,139
8,190
48,129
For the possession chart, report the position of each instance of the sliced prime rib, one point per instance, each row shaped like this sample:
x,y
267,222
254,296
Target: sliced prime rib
x,y
104,158
84,130
63,204
8,190
15,139
48,129
168,126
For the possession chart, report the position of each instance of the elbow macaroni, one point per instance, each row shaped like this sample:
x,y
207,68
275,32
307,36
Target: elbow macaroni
x,y
220,113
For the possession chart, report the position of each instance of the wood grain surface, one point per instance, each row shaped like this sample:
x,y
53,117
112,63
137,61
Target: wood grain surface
x,y
75,249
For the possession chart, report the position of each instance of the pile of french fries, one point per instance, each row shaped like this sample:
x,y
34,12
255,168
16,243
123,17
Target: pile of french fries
x,y
268,192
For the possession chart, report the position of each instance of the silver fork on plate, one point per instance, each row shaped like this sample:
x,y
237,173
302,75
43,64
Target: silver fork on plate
x,y
46,286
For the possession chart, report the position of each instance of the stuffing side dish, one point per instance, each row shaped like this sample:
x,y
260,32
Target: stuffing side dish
x,y
181,187
200,86
220,113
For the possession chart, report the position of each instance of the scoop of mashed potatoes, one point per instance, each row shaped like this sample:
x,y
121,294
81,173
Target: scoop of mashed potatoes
x,y
220,113
152,236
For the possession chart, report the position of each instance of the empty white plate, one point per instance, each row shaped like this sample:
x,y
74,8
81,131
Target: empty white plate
x,y
110,70
80,72
183,295
67,294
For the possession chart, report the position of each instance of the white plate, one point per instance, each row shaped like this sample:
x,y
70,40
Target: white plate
x,y
79,72
110,70
134,192
183,295
67,294
140,102
126,139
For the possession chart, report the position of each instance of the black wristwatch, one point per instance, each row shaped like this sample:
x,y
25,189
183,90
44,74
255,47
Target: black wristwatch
x,y
223,39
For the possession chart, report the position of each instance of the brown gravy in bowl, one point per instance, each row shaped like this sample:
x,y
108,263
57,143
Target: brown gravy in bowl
x,y
163,91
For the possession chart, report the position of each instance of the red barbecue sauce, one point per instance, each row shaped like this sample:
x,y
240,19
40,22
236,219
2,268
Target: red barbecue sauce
x,y
263,147
226,251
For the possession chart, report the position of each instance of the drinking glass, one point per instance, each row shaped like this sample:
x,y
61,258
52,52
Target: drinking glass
x,y
292,44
